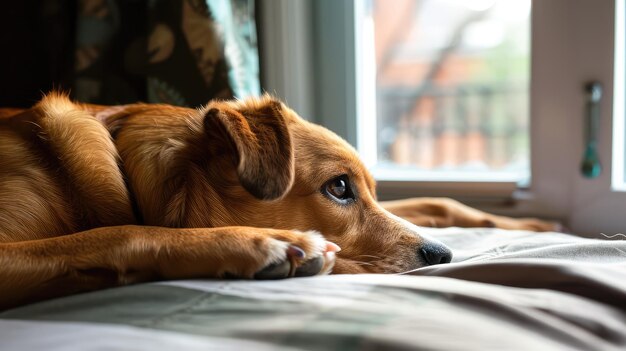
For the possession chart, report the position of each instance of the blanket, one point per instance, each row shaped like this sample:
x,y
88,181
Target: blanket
x,y
504,290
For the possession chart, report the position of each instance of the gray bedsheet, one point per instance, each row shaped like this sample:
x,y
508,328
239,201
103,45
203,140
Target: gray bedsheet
x,y
505,290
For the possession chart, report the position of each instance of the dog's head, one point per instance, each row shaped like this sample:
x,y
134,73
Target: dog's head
x,y
292,174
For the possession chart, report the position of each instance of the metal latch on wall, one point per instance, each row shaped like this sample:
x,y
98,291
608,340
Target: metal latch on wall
x,y
590,166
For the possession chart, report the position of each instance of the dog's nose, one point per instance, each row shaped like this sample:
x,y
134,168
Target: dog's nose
x,y
435,253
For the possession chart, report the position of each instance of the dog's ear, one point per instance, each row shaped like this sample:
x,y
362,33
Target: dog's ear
x,y
262,145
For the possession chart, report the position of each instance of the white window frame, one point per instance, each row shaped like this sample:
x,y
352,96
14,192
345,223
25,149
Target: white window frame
x,y
577,45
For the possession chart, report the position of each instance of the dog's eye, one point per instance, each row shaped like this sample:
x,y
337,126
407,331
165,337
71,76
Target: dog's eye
x,y
339,189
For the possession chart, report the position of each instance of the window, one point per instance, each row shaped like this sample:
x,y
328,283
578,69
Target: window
x,y
568,44
451,82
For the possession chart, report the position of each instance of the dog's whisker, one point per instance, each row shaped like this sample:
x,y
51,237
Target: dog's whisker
x,y
370,256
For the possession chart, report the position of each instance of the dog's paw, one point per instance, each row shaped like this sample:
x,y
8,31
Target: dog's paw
x,y
237,252
297,254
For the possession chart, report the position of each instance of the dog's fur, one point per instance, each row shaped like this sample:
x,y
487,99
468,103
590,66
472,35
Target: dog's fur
x,y
94,196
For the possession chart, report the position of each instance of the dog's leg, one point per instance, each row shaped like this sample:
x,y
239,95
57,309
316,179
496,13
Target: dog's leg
x,y
444,212
112,256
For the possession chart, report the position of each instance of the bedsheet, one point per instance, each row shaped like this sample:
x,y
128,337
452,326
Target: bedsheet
x,y
504,290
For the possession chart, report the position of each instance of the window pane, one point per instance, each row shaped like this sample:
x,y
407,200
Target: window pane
x,y
452,81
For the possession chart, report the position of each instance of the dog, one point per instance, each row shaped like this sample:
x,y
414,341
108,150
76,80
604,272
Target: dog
x,y
100,196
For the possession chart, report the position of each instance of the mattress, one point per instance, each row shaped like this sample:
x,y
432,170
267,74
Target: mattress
x,y
504,290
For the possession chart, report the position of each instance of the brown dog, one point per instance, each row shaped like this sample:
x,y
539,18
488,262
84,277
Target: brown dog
x,y
94,197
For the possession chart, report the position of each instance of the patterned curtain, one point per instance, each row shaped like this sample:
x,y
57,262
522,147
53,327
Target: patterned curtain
x,y
182,52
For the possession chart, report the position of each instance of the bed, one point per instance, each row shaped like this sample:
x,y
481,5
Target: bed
x,y
505,290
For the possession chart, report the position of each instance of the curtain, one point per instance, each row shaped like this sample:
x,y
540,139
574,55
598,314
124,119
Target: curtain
x,y
182,52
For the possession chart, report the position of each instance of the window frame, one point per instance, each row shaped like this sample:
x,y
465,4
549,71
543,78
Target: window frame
x,y
561,67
